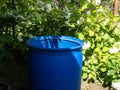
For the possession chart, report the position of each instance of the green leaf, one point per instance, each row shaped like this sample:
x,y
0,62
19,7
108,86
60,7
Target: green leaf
x,y
81,36
91,33
46,0
103,69
93,43
70,4
85,69
100,44
111,72
85,6
38,16
85,75
93,75
90,75
90,19
31,8
105,49
97,49
72,25
2,2
82,1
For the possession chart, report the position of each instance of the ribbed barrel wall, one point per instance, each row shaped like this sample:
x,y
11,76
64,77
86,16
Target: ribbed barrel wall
x,y
54,63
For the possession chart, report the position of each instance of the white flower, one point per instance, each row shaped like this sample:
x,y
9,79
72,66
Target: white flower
x,y
82,19
86,45
106,36
88,13
117,43
83,57
89,1
48,8
67,22
112,40
100,10
113,50
106,21
116,85
97,2
68,16
78,22
20,38
116,31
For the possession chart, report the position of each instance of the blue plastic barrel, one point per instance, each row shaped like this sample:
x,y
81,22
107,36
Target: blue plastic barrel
x,y
54,63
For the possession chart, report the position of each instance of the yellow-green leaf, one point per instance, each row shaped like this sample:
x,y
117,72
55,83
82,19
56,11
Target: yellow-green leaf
x,y
85,75
85,6
97,49
81,36
85,69
105,49
90,75
103,69
91,33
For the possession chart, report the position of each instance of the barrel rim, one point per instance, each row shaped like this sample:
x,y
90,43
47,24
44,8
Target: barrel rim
x,y
67,38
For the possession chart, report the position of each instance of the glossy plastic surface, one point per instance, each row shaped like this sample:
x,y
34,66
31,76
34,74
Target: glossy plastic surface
x,y
54,63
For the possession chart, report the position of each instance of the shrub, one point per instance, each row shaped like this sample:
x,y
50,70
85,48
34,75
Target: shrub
x,y
101,29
